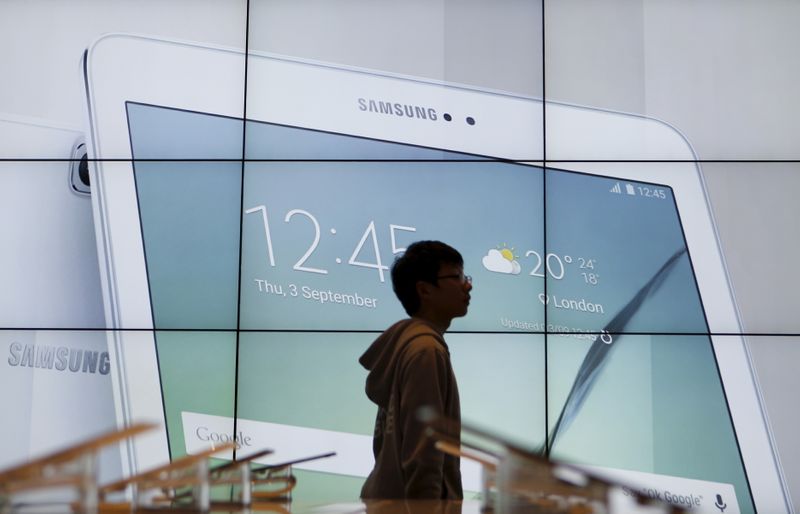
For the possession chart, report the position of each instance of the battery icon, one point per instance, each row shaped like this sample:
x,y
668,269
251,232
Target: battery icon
x,y
629,189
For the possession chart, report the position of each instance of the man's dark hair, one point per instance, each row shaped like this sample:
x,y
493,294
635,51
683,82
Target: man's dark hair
x,y
421,261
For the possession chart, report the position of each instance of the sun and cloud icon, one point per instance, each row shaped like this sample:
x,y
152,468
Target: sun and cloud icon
x,y
502,260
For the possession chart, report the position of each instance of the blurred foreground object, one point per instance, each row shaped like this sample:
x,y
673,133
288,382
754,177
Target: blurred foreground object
x,y
517,481
73,467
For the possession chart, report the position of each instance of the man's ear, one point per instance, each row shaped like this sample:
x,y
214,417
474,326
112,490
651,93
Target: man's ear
x,y
423,289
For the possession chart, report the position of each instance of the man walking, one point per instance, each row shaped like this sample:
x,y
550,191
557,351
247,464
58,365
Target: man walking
x,y
409,367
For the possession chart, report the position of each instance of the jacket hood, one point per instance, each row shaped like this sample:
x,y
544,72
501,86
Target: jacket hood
x,y
381,357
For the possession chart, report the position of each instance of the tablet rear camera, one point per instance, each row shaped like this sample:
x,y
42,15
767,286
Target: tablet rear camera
x,y
83,171
79,170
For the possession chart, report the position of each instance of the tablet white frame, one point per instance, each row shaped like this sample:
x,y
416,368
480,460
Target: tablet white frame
x,y
180,75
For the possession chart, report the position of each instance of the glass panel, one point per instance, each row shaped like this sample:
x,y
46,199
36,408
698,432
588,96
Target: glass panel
x,y
163,133
394,59
189,214
775,363
668,406
43,86
684,63
313,263
320,371
198,397
756,214
511,404
49,270
491,46
57,392
617,258
190,227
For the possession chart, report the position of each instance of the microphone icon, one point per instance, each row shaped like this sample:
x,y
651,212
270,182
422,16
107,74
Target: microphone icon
x,y
721,505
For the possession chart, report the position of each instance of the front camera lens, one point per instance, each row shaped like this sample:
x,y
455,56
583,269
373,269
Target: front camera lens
x,y
470,120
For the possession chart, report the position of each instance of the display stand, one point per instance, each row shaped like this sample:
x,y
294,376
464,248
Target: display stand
x,y
518,481
73,467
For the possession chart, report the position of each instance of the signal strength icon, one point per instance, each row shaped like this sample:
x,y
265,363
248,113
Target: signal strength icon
x,y
616,189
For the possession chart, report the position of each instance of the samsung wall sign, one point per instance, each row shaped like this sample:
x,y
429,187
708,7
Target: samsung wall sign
x,y
59,358
401,110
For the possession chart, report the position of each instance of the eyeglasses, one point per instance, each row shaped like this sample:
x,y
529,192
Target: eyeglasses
x,y
464,279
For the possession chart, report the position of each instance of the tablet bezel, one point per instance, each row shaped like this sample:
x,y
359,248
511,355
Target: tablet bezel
x,y
291,92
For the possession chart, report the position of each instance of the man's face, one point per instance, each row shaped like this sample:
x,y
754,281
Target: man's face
x,y
449,297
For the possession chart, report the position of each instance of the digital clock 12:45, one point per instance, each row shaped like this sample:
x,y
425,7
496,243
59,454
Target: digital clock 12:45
x,y
652,192
368,235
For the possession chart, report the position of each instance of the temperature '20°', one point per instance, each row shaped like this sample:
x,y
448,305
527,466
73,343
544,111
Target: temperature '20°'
x,y
504,259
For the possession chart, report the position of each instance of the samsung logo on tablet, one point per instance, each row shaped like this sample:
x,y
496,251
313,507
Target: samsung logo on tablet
x,y
397,109
60,358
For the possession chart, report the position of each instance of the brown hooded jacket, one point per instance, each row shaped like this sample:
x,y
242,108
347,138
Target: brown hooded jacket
x,y
409,367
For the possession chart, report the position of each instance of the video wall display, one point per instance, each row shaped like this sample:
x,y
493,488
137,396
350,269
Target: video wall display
x,y
204,237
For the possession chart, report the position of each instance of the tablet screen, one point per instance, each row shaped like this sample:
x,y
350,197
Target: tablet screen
x,y
585,303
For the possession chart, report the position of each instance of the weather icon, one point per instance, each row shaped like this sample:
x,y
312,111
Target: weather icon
x,y
502,260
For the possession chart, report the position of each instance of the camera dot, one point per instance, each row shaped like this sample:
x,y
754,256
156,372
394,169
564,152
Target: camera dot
x,y
447,117
470,120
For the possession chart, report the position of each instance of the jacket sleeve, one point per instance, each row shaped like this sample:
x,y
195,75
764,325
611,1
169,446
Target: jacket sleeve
x,y
425,377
